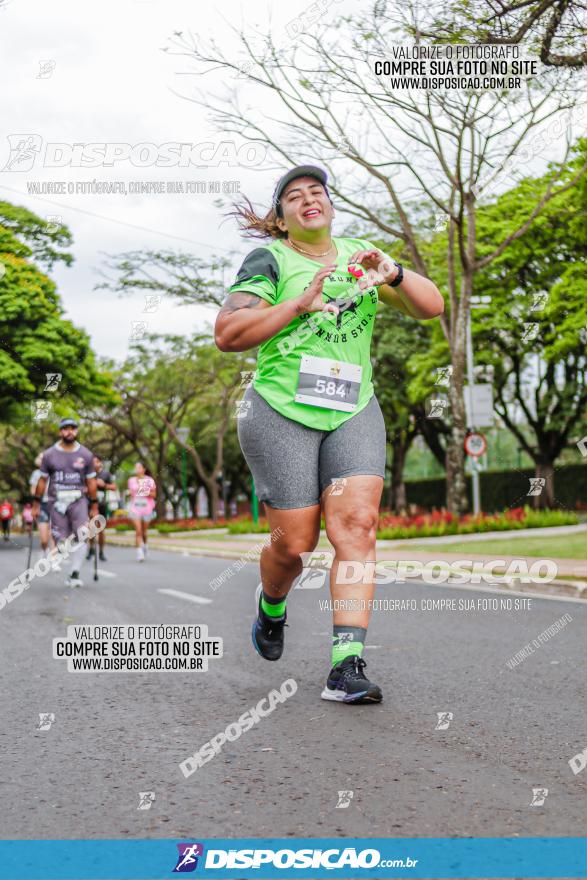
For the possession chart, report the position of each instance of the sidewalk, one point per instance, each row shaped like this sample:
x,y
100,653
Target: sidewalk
x,y
490,536
248,548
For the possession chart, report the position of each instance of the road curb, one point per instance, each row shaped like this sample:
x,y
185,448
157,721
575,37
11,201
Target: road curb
x,y
561,587
177,548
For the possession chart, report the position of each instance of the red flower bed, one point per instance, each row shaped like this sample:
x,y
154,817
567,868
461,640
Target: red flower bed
x,y
441,522
192,523
438,517
113,521
196,524
389,520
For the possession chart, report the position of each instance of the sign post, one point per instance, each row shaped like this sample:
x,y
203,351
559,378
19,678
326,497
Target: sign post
x,y
471,377
480,398
475,445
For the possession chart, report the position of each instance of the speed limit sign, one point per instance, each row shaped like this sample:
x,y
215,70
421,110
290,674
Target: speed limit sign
x,y
475,445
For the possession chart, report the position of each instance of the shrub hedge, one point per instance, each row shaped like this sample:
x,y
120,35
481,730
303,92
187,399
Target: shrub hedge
x,y
505,489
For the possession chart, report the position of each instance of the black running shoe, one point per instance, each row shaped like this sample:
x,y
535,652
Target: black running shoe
x,y
347,683
90,553
102,557
268,631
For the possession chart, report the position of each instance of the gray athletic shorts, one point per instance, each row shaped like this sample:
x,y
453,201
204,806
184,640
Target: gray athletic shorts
x,y
292,464
65,524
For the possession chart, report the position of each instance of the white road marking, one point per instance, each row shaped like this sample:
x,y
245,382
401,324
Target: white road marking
x,y
107,574
199,600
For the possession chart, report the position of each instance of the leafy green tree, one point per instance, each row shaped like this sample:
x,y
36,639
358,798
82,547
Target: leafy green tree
x,y
211,391
396,339
20,447
397,342
533,333
26,235
406,149
171,382
35,337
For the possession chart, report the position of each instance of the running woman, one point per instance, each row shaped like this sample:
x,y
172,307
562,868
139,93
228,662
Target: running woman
x,y
27,517
43,524
104,482
69,466
143,491
311,420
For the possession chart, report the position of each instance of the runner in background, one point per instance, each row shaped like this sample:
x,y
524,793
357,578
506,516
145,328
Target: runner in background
x,y
44,526
27,517
105,482
6,516
72,489
143,491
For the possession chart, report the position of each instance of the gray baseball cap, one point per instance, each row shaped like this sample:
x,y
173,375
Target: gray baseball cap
x,y
298,171
66,423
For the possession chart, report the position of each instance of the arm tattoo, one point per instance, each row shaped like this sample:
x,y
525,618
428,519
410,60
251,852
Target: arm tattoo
x,y
236,301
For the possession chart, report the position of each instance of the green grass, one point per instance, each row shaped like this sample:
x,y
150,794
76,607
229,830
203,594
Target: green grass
x,y
558,546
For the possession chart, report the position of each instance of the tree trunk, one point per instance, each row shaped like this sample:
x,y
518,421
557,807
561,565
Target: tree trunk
x,y
398,502
214,495
160,499
456,484
544,471
431,437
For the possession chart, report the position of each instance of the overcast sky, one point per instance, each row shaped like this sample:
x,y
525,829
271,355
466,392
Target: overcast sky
x,y
82,74
93,74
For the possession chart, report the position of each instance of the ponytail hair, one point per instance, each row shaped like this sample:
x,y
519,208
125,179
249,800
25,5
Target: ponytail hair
x,y
255,226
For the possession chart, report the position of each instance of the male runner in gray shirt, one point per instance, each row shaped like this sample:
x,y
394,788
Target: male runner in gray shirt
x,y
72,485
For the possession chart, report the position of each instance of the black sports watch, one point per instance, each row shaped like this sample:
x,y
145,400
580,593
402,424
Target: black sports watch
x,y
399,277
93,500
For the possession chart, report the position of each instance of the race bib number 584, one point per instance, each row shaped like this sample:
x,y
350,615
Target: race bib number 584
x,y
327,383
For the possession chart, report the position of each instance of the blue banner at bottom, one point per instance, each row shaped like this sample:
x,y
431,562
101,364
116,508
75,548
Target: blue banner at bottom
x,y
292,857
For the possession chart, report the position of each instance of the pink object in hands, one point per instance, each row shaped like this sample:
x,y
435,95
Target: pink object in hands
x,y
356,271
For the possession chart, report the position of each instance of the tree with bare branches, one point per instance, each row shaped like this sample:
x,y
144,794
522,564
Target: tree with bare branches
x,y
554,29
177,274
171,382
399,161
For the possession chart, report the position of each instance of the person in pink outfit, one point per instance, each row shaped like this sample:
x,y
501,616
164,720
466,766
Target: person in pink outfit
x,y
143,491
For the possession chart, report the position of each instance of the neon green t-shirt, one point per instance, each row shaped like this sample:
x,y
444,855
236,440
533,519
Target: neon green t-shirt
x,y
277,273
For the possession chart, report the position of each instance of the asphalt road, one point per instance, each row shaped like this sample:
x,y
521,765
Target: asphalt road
x,y
118,734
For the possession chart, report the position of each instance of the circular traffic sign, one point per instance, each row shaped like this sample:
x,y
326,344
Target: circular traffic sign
x,y
475,445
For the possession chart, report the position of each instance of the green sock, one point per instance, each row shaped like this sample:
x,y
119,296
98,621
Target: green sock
x,y
272,607
347,641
